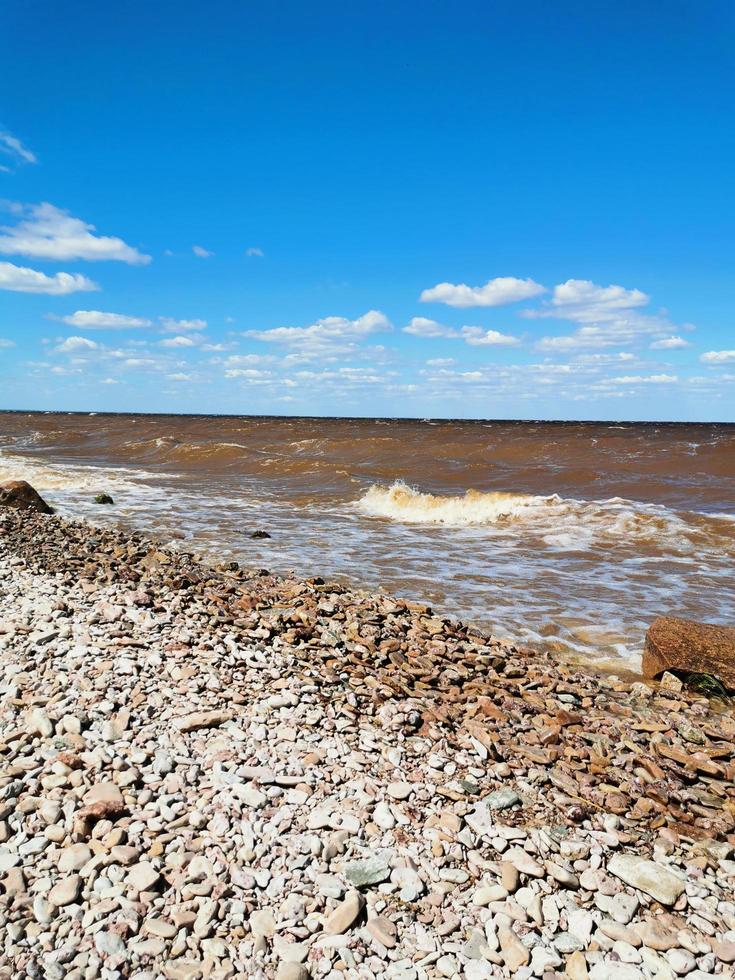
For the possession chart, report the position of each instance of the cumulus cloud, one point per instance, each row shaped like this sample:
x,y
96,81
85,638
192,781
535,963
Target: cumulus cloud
x,y
586,302
5,343
248,373
421,326
73,344
20,279
609,315
181,326
246,360
330,331
440,361
201,252
47,232
669,343
495,292
179,376
718,356
652,379
99,320
478,337
254,253
13,150
179,341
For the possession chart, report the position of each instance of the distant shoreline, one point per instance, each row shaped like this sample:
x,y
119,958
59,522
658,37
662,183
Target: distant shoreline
x,y
444,420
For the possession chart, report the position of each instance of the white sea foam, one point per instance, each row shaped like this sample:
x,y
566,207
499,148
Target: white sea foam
x,y
403,503
560,523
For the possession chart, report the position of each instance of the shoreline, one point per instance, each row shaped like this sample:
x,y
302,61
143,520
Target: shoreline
x,y
221,772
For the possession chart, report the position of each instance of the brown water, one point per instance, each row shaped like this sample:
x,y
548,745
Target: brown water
x,y
574,534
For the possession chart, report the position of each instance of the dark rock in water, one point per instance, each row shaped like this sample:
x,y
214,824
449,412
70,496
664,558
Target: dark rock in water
x,y
260,534
685,647
103,498
22,496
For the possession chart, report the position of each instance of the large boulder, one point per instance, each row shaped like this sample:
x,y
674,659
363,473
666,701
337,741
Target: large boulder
x,y
687,647
22,496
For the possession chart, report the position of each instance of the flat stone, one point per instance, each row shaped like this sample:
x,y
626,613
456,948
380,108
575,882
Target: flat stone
x,y
399,790
201,719
559,873
142,877
502,799
66,891
647,876
104,793
160,928
567,942
367,871
345,915
486,894
656,935
523,862
382,930
74,857
513,952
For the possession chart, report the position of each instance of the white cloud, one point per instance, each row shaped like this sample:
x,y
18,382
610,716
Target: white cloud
x,y
48,232
600,360
254,253
669,343
72,344
181,326
251,373
178,342
495,292
200,252
246,360
179,376
421,326
11,146
326,332
99,320
109,381
5,344
584,337
654,379
441,361
718,356
609,315
20,279
477,337
586,302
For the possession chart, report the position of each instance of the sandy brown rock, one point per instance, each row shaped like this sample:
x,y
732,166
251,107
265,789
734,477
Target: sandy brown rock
x,y
689,647
22,496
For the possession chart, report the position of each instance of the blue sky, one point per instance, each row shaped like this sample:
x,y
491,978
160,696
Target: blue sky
x,y
446,209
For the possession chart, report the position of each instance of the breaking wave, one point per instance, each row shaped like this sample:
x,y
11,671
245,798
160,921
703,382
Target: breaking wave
x,y
403,503
559,522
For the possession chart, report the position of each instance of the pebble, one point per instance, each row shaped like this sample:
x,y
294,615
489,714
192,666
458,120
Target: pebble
x,y
247,775
647,876
345,915
66,891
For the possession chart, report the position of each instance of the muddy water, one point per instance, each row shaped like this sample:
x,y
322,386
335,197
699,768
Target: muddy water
x,y
571,534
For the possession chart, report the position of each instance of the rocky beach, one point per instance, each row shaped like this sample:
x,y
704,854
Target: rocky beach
x,y
214,771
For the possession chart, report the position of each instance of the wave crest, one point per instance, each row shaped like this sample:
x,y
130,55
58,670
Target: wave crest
x,y
403,503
